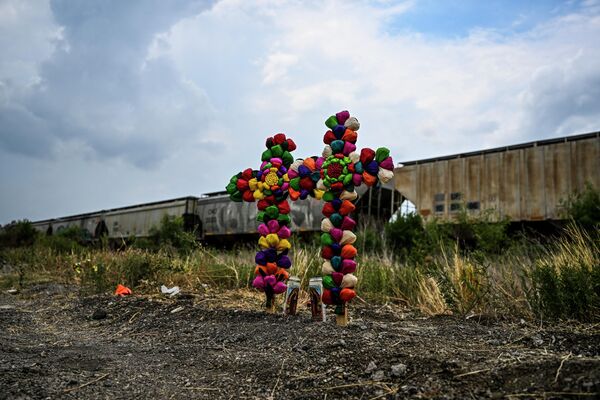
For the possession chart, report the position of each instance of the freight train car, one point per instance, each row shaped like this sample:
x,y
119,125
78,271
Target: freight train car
x,y
124,222
524,182
212,215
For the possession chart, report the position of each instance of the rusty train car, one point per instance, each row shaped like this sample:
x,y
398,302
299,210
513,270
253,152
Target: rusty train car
x,y
523,182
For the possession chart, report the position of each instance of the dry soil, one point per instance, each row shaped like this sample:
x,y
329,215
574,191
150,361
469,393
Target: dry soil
x,y
222,346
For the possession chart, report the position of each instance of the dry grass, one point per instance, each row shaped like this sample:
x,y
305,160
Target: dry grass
x,y
576,247
430,299
449,281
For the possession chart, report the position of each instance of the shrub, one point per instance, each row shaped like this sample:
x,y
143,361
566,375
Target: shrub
x,y
65,240
407,236
439,235
491,236
136,266
93,275
483,233
584,208
17,234
171,234
99,271
369,235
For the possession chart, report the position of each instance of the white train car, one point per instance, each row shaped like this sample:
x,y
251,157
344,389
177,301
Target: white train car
x,y
212,215
123,222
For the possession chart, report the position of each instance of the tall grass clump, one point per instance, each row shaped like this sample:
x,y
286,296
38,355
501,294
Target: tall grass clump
x,y
25,265
566,281
381,277
99,271
463,281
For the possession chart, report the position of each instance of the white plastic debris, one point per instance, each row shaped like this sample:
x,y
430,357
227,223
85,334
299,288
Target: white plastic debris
x,y
170,291
176,310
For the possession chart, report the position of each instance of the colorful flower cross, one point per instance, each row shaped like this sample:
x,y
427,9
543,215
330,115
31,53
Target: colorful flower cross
x,y
278,178
332,177
342,170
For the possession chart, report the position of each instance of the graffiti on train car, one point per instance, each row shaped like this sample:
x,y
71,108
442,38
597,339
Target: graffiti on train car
x,y
219,216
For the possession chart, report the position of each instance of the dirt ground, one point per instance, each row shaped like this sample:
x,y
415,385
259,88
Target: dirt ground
x,y
222,346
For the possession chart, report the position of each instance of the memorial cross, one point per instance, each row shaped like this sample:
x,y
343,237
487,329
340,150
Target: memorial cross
x,y
333,178
342,171
278,178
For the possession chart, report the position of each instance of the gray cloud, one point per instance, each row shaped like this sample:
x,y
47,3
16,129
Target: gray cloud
x,y
23,132
99,88
563,100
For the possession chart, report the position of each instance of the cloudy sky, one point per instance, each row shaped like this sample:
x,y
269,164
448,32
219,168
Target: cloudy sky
x,y
111,103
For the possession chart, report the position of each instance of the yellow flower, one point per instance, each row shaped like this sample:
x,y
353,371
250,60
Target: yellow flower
x,y
271,179
252,183
258,194
284,244
262,242
273,240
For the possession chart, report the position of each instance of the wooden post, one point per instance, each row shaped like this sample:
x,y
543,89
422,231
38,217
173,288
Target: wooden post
x,y
379,203
342,319
392,209
270,300
370,198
